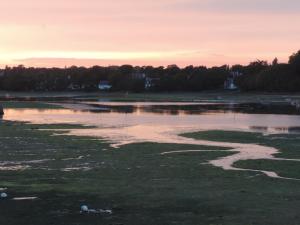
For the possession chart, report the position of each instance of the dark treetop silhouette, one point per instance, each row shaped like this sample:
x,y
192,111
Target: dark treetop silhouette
x,y
257,76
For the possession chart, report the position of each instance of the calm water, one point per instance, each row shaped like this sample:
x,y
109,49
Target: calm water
x,y
126,123
173,116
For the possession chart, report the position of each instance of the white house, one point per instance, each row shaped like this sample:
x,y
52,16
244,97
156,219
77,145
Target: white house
x,y
104,85
150,82
229,83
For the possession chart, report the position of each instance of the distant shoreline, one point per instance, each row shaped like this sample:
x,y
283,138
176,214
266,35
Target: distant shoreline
x,y
217,96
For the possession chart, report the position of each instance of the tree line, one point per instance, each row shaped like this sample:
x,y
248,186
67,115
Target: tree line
x,y
274,77
256,76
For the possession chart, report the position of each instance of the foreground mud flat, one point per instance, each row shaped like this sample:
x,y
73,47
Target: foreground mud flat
x,y
109,163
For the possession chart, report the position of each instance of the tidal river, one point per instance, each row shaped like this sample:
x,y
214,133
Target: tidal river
x,y
125,123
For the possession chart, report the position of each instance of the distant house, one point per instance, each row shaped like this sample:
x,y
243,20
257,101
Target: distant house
x,y
104,85
235,74
150,82
229,83
138,75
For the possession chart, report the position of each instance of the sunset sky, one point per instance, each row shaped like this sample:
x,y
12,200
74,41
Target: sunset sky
x,y
147,32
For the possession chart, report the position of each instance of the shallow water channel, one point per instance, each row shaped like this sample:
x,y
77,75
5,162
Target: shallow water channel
x,y
122,123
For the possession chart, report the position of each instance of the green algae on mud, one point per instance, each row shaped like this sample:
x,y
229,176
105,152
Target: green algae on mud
x,y
219,96
287,144
140,185
28,105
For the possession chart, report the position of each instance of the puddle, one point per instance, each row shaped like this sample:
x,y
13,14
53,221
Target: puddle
x,y
20,165
14,168
70,169
24,198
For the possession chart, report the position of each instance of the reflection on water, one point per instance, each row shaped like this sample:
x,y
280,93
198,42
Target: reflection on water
x,y
195,108
147,123
183,116
265,129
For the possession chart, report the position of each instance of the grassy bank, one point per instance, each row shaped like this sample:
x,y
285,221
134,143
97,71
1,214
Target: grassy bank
x,y
27,105
139,184
219,96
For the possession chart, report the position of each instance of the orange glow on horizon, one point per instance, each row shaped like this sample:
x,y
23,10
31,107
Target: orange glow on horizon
x,y
143,32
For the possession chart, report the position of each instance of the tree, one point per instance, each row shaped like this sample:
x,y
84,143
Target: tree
x,y
257,66
295,61
257,76
275,62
